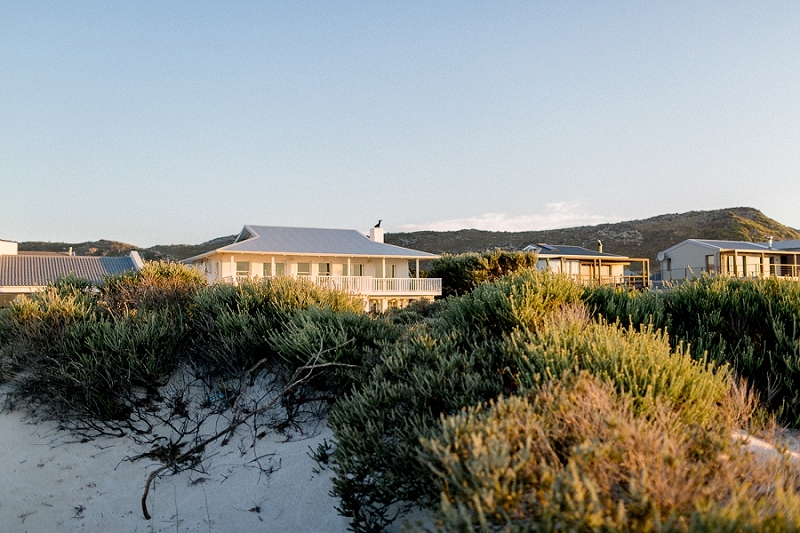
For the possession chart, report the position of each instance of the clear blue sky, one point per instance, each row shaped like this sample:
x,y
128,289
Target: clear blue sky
x,y
177,122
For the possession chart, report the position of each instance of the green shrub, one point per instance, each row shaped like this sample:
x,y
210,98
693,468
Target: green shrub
x,y
458,359
233,325
576,456
752,325
462,272
76,351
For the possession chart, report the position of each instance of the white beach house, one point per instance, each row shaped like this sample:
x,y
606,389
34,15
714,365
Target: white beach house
x,y
338,258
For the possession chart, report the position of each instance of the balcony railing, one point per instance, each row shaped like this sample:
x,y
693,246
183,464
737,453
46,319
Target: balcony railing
x,y
369,285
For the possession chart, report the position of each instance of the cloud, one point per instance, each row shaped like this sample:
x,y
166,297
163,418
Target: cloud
x,y
551,216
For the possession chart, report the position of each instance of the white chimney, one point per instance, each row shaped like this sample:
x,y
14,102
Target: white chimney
x,y
376,234
769,240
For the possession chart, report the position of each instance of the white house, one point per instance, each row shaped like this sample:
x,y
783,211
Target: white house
x,y
690,258
27,272
592,267
336,258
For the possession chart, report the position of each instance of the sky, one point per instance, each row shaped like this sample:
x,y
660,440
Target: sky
x,y
179,122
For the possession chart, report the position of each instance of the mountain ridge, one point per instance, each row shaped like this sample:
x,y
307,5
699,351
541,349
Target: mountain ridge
x,y
642,238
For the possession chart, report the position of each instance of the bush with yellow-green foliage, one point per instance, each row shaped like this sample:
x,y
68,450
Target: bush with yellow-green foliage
x,y
461,273
579,455
752,325
78,352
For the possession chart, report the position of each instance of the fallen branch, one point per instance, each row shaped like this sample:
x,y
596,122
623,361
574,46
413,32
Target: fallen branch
x,y
297,379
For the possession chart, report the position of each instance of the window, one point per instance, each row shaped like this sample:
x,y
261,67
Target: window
x,y
356,270
303,269
267,270
378,271
324,269
242,269
280,269
710,263
391,270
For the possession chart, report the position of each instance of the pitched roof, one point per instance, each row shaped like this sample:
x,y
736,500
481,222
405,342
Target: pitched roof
x,y
551,250
723,245
313,241
792,246
39,270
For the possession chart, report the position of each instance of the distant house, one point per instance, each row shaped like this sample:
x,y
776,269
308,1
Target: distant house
x,y
692,257
27,272
592,267
337,258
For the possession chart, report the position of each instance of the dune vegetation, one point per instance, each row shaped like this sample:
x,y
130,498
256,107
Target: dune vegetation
x,y
522,402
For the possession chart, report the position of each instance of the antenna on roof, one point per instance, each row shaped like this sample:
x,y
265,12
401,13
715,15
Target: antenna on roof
x,y
378,225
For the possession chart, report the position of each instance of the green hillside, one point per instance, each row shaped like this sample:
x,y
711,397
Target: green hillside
x,y
635,238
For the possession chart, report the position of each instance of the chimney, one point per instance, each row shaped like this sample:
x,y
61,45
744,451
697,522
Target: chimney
x,y
376,234
70,251
769,240
599,246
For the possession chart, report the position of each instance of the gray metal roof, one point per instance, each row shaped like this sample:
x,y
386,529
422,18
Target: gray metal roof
x,y
312,241
792,246
39,270
732,245
553,250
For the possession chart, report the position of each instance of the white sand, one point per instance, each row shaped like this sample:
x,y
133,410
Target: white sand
x,y
52,483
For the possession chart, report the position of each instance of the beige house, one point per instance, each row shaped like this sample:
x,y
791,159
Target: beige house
x,y
592,267
27,272
692,257
337,258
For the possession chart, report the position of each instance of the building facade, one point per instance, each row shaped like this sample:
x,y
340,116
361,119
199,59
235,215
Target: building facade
x,y
341,259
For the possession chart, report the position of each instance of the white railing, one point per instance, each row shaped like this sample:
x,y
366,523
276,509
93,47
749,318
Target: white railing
x,y
369,285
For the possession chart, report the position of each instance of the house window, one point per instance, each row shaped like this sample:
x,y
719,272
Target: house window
x,y
303,269
378,271
324,269
355,270
280,269
391,270
710,263
242,269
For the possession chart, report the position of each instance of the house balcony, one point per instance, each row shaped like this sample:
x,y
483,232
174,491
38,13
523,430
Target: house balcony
x,y
369,286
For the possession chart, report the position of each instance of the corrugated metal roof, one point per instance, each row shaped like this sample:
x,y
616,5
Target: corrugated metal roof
x,y
791,246
733,245
284,240
37,270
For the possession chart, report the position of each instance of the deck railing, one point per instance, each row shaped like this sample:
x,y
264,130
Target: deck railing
x,y
369,285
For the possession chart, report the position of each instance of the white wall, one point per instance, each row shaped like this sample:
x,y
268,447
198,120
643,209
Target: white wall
x,y
8,248
688,256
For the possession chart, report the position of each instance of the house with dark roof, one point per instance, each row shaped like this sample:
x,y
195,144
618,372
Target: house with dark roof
x,y
27,272
338,258
692,257
592,267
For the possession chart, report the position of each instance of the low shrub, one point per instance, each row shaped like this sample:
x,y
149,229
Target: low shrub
x,y
75,351
461,273
576,455
458,359
233,324
752,325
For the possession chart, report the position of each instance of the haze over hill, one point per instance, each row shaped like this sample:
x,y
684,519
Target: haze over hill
x,y
635,238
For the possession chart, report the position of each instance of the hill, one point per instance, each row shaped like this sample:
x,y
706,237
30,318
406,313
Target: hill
x,y
166,252
635,238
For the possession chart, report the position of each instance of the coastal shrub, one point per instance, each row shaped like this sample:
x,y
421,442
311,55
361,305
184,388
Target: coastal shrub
x,y
458,359
578,455
77,351
752,325
232,324
157,286
461,273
